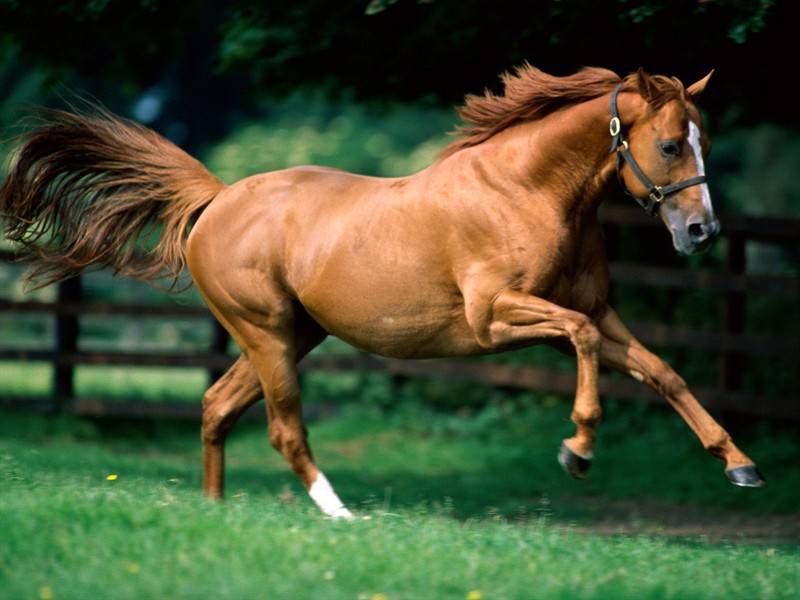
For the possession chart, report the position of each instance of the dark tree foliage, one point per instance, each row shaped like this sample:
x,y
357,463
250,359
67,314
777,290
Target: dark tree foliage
x,y
126,40
229,54
408,49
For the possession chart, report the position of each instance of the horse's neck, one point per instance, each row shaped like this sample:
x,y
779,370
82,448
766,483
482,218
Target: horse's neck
x,y
563,158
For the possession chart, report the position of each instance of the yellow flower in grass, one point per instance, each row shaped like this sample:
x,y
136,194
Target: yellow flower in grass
x,y
46,593
474,595
132,567
111,477
380,596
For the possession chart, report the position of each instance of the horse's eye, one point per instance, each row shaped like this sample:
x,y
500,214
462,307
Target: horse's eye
x,y
669,149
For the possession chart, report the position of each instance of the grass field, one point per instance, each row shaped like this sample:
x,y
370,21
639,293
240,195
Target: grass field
x,y
457,507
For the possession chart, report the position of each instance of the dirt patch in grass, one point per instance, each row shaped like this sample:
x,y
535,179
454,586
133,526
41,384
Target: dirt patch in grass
x,y
650,517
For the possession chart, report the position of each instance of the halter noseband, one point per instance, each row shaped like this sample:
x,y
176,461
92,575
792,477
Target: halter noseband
x,y
655,193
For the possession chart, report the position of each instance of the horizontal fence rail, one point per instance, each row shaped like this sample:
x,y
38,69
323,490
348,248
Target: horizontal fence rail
x,y
735,346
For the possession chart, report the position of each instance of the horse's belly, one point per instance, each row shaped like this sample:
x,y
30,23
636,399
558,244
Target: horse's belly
x,y
414,320
398,337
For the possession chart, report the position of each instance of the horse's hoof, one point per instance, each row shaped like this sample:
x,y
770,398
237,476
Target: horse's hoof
x,y
746,476
575,465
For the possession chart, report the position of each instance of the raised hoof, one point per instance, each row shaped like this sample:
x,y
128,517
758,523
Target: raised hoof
x,y
747,476
575,465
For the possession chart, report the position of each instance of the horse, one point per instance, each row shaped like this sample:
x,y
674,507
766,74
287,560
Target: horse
x,y
495,246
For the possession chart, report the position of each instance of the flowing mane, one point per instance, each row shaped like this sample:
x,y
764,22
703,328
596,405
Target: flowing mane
x,y
530,94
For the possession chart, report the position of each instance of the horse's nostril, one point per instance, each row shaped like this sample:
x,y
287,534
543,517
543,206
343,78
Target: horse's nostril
x,y
697,232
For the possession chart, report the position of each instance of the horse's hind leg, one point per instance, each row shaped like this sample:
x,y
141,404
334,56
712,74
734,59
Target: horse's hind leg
x,y
273,347
223,404
227,400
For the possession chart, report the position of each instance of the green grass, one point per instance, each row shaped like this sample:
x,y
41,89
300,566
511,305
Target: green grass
x,y
456,504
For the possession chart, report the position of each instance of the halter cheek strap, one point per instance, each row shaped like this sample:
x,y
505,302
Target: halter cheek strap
x,y
655,193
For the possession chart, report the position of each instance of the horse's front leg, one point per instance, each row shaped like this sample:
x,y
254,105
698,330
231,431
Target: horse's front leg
x,y
620,350
516,318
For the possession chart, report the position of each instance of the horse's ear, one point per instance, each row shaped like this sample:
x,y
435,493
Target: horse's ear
x,y
648,88
698,86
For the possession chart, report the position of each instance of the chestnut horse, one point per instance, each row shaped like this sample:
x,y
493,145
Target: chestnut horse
x,y
495,246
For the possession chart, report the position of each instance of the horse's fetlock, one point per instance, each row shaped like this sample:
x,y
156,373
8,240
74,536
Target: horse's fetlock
x,y
587,416
716,443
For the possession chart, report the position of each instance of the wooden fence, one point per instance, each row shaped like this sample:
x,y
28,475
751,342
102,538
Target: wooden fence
x,y
736,347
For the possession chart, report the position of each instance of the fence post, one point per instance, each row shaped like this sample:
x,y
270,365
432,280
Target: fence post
x,y
734,363
219,345
70,291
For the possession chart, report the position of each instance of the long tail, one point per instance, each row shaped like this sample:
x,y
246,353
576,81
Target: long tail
x,y
94,190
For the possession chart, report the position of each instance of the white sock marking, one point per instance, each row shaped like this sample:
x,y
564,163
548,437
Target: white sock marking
x,y
694,141
636,375
322,493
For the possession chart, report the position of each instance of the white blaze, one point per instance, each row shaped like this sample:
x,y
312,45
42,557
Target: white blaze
x,y
694,141
322,493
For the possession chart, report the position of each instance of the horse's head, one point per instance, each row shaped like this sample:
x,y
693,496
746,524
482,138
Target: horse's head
x,y
668,143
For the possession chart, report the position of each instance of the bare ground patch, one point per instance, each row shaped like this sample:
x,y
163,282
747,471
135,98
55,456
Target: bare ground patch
x,y
685,520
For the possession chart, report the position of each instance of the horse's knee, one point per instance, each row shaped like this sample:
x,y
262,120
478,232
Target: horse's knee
x,y
584,335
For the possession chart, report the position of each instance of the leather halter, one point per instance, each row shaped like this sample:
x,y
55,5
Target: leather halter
x,y
655,193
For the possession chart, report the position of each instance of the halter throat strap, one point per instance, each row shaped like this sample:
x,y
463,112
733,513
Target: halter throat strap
x,y
655,193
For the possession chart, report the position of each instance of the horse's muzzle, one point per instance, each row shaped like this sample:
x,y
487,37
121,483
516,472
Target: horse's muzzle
x,y
696,236
702,232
